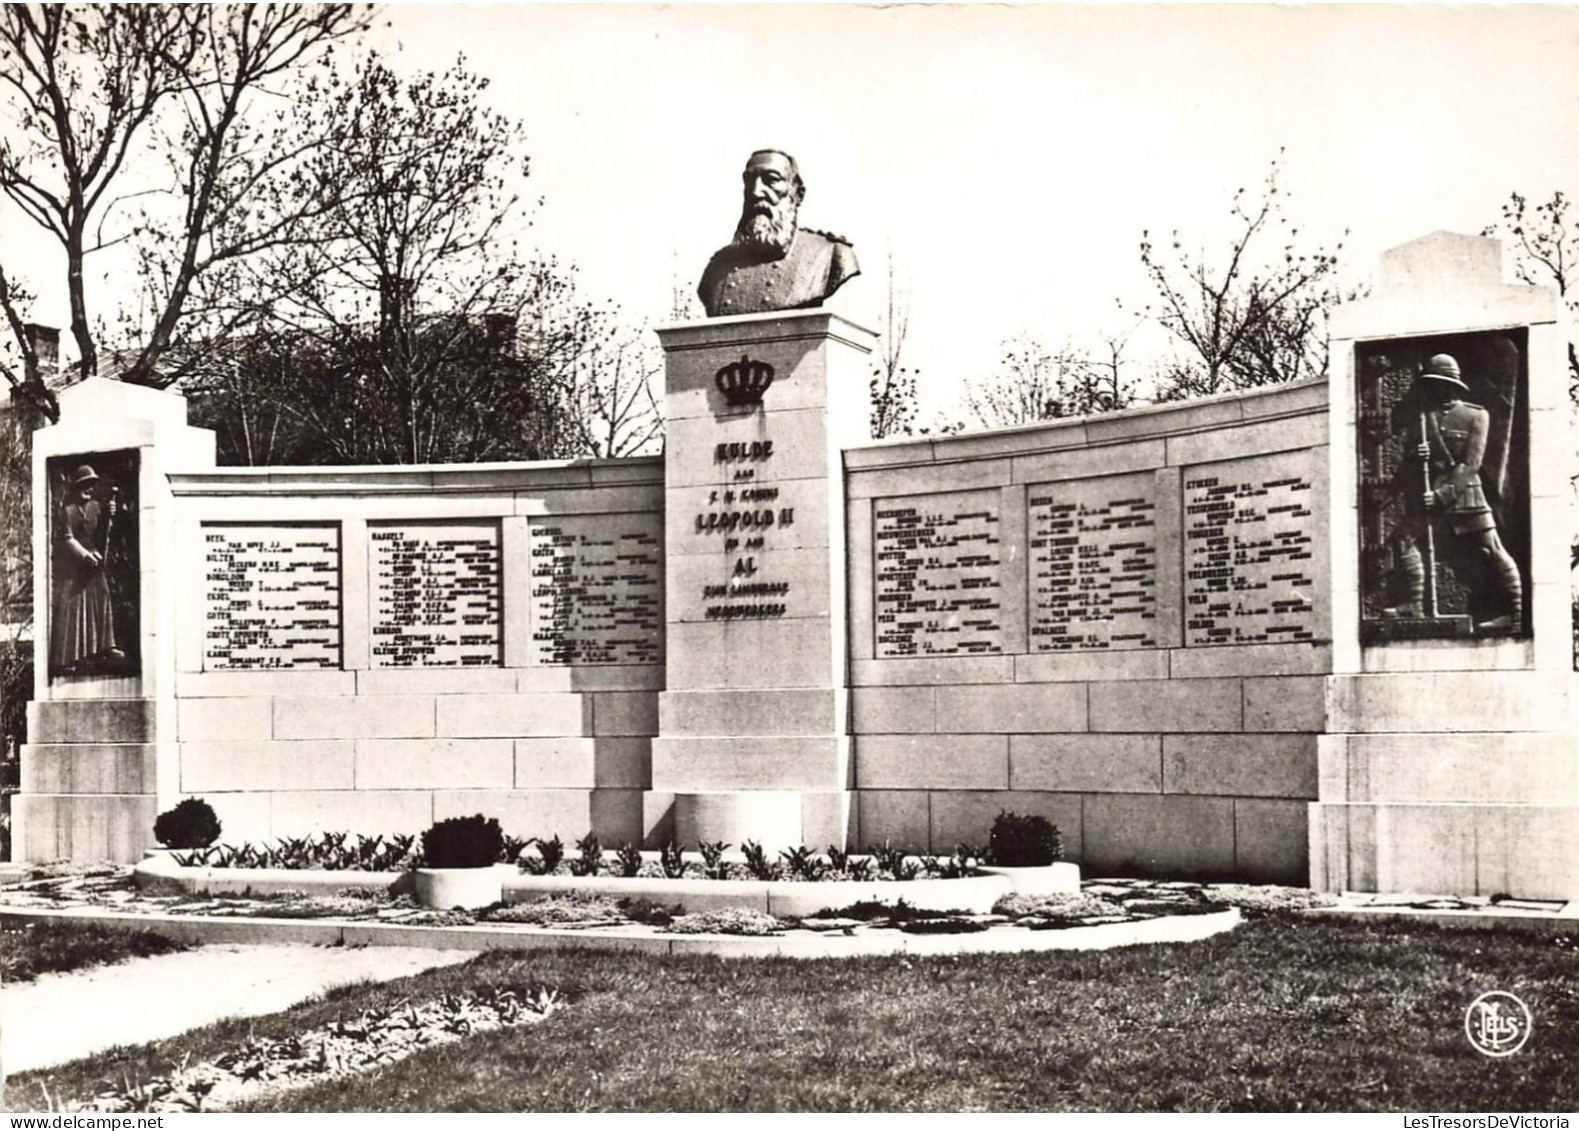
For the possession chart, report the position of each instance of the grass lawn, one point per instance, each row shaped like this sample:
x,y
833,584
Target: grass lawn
x,y
43,948
1282,1014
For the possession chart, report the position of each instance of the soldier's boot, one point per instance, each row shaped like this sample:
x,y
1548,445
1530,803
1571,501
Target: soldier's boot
x,y
1506,571
1412,566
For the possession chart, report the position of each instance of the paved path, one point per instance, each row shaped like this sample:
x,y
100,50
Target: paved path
x,y
62,1017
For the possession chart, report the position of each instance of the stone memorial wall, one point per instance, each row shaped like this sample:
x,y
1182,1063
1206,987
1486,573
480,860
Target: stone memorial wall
x,y
1122,623
1211,639
341,651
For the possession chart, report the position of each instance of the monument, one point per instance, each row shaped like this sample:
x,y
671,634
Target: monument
x,y
762,397
1316,633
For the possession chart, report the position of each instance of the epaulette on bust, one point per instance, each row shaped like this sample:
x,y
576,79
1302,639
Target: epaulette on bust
x,y
827,235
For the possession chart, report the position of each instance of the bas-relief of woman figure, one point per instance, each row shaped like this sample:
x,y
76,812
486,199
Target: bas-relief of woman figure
x,y
83,627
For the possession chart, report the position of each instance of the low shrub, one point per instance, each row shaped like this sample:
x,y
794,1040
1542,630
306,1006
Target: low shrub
x,y
728,921
191,824
463,842
1023,842
558,910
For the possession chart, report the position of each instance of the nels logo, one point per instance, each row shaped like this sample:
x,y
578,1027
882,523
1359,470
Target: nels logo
x,y
1497,1023
743,382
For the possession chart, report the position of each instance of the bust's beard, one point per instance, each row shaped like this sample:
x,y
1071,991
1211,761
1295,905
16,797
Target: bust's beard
x,y
767,235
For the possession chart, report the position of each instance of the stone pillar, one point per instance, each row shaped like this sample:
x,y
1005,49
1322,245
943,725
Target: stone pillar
x,y
1450,762
101,759
754,735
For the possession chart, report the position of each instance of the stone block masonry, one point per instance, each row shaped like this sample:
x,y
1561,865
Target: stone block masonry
x,y
359,649
1088,623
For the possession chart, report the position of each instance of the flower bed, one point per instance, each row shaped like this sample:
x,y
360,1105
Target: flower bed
x,y
797,882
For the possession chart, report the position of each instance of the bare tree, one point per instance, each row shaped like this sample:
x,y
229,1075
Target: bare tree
x,y
608,407
1545,244
88,87
1252,316
412,329
1033,382
893,383
16,575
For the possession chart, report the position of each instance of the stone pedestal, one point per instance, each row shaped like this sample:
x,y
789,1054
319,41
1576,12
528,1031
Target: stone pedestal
x,y
1450,762
101,758
754,736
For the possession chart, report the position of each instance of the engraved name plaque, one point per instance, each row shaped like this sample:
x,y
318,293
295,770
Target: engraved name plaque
x,y
1249,551
597,589
1093,564
271,596
435,594
939,589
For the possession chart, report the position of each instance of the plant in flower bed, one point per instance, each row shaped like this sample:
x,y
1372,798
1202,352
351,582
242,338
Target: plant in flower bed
x,y
800,863
727,921
328,852
480,839
463,842
377,1036
900,916
1023,842
190,824
1060,910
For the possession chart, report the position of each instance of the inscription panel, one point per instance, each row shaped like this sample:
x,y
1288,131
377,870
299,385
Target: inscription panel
x,y
597,589
271,596
1249,551
435,594
1093,564
938,574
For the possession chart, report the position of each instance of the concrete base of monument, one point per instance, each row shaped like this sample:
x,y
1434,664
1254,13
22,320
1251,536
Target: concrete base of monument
x,y
1061,878
1526,851
775,819
162,869
784,898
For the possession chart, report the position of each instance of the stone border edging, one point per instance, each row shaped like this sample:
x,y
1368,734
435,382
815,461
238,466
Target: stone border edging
x,y
328,932
785,898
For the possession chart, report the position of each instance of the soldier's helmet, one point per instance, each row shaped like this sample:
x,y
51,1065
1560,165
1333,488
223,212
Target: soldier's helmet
x,y
1444,368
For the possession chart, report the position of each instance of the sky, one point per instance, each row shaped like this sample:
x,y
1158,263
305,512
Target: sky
x,y
1006,160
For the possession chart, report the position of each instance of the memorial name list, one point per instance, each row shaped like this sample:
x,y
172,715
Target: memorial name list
x,y
271,597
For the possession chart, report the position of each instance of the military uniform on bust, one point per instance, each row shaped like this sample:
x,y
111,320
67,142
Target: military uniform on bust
x,y
1453,447
738,282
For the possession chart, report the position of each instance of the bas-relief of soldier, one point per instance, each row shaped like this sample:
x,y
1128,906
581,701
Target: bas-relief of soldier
x,y
1436,521
773,263
93,573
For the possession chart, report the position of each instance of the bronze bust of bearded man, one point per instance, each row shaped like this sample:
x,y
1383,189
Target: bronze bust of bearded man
x,y
773,263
